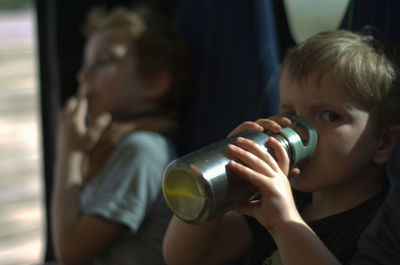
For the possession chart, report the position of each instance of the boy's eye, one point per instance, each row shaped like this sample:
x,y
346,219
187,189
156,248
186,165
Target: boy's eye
x,y
330,116
103,60
287,113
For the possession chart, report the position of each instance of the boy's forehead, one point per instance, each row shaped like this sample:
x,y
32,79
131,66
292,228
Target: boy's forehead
x,y
317,91
316,78
316,86
108,40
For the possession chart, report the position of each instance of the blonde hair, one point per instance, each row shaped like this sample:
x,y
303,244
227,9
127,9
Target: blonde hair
x,y
119,17
358,60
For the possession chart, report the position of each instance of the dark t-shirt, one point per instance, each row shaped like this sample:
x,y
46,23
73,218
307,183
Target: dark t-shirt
x,y
339,232
380,242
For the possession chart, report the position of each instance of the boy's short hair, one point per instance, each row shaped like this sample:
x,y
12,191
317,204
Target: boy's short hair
x,y
358,60
156,46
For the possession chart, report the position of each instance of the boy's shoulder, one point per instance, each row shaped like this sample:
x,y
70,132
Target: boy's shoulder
x,y
147,144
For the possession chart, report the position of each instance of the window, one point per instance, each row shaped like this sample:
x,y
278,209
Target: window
x,y
21,194
308,17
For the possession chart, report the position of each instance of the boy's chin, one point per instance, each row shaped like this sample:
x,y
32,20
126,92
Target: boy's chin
x,y
295,183
292,180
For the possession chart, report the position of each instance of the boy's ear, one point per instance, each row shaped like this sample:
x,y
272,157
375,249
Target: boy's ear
x,y
159,84
386,145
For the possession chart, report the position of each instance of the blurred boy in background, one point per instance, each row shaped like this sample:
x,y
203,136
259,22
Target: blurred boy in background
x,y
115,139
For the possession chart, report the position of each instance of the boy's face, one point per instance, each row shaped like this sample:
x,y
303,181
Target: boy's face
x,y
347,138
108,77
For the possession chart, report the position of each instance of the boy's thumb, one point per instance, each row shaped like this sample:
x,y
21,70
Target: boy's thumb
x,y
98,126
247,208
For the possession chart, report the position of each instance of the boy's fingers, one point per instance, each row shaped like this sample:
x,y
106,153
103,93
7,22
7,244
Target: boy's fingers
x,y
294,172
98,126
68,109
275,123
82,108
71,104
246,158
248,125
280,154
247,208
253,150
253,177
102,121
283,120
269,125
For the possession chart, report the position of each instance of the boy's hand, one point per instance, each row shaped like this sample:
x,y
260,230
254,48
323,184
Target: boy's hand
x,y
269,175
73,132
273,124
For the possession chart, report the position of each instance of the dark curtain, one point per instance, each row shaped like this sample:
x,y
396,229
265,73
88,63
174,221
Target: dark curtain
x,y
235,65
382,14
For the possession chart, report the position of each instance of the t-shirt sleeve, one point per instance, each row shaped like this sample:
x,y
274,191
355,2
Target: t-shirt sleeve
x,y
380,242
130,182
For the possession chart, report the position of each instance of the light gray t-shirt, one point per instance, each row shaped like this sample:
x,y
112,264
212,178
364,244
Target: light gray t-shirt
x,y
127,190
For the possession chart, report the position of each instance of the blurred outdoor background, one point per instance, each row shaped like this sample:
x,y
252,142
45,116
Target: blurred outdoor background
x,y
22,225
21,212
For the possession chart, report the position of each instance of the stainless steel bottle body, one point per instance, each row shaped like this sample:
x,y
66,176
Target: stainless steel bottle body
x,y
198,186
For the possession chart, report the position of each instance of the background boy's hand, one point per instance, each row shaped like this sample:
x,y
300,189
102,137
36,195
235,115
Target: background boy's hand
x,y
73,132
273,124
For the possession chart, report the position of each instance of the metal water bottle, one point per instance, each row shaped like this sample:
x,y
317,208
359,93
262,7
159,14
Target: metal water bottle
x,y
198,186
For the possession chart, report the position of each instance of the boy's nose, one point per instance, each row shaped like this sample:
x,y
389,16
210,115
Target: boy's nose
x,y
81,79
83,90
84,75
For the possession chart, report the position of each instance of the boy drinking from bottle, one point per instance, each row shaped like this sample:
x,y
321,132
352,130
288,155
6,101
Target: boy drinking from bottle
x,y
314,213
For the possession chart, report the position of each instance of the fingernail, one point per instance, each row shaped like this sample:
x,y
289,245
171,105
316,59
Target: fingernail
x,y
232,146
